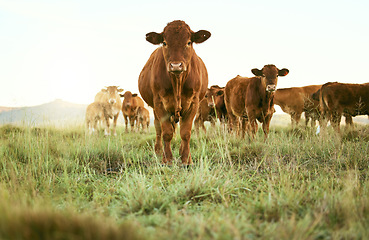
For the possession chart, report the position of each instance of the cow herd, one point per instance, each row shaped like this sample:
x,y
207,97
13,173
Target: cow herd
x,y
174,82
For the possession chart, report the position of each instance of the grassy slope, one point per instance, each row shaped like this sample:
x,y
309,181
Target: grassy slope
x,y
54,183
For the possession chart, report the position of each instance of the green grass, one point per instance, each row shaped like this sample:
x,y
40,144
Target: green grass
x,y
59,183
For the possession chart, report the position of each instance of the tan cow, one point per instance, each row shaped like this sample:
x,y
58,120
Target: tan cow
x,y
98,111
251,99
172,82
130,105
297,100
143,119
111,95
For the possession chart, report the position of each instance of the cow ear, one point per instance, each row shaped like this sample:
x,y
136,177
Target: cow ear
x,y
121,95
200,36
120,90
134,95
283,72
154,38
257,72
104,90
220,93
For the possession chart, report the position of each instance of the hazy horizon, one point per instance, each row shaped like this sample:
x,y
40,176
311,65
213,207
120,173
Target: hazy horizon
x,y
70,50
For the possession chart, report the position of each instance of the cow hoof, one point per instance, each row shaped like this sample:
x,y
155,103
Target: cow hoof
x,y
186,166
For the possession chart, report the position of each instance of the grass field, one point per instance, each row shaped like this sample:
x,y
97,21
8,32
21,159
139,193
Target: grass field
x,y
58,183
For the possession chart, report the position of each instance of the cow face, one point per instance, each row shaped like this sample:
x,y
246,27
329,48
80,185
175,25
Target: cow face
x,y
269,75
128,99
177,44
113,93
215,96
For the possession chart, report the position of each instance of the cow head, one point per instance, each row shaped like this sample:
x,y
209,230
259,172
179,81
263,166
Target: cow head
x,y
215,96
269,75
113,93
177,44
128,98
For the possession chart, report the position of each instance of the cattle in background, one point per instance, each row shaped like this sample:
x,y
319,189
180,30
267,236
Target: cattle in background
x,y
98,111
251,99
337,99
130,105
143,119
172,82
297,100
212,106
111,95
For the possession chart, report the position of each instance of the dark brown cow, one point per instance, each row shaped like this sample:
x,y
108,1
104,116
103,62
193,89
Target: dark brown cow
x,y
337,99
130,105
297,100
211,107
252,98
173,82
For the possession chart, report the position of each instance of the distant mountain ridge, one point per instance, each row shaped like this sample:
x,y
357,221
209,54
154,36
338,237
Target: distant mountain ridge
x,y
55,111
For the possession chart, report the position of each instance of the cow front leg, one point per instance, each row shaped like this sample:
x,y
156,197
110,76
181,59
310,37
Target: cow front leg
x,y
126,122
115,124
266,124
185,132
158,141
132,123
168,131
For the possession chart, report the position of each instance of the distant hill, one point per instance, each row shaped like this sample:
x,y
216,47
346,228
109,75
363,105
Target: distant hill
x,y
6,109
60,112
57,111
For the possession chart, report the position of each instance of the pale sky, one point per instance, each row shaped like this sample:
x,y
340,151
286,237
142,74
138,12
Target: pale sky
x,y
70,49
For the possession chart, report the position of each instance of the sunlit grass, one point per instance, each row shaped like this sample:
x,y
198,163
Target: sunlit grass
x,y
61,183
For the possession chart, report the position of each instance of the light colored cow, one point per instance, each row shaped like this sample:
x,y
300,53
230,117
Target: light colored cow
x,y
111,96
143,119
98,111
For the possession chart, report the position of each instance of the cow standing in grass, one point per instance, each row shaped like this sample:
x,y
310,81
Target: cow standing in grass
x,y
297,100
172,82
143,119
337,99
130,105
251,99
111,96
98,112
211,107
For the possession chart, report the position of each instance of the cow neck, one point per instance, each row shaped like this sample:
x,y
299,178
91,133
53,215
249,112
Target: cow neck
x,y
266,96
177,84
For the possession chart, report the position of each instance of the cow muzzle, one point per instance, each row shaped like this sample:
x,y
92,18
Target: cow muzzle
x,y
271,88
178,67
112,101
211,104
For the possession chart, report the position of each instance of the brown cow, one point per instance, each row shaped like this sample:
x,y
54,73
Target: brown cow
x,y
98,111
337,99
111,95
130,105
297,100
173,82
211,107
143,118
252,98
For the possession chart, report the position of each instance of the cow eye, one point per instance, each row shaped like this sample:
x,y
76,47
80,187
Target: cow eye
x,y
206,96
164,44
189,43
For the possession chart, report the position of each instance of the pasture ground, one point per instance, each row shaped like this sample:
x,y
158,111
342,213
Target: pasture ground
x,y
58,183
